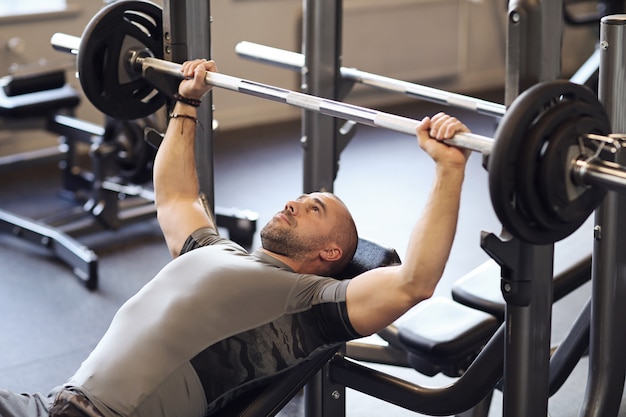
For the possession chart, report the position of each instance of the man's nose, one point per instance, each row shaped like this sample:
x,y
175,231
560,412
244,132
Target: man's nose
x,y
292,207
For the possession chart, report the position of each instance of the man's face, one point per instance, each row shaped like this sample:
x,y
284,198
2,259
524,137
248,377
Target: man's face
x,y
304,225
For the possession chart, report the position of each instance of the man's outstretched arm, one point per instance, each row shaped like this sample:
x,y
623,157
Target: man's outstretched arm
x,y
378,297
179,208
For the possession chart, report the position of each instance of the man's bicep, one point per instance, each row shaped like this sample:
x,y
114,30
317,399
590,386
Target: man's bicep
x,y
178,219
375,299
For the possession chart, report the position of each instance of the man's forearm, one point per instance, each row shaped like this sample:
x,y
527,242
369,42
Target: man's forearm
x,y
378,297
432,237
180,211
175,173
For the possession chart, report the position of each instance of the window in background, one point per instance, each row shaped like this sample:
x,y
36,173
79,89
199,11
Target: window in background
x,y
22,7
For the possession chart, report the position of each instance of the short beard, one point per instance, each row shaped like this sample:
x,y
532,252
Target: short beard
x,y
285,241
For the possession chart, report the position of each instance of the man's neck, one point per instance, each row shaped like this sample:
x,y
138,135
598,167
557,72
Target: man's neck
x,y
295,266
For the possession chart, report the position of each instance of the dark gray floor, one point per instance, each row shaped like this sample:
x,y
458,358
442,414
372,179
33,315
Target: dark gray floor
x,y
50,322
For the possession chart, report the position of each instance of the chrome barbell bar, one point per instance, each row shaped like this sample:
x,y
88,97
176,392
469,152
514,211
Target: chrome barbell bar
x,y
295,61
139,60
589,171
328,107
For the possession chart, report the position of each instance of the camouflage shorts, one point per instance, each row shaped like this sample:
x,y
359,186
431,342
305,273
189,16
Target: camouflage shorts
x,y
69,403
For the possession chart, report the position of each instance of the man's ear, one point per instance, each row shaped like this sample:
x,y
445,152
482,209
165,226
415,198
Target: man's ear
x,y
331,254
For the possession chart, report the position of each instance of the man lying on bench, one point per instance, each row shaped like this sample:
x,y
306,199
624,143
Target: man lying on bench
x,y
216,320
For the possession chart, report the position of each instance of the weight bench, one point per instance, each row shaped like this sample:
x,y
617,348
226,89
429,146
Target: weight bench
x,y
449,343
480,288
44,100
35,101
30,101
445,336
442,335
467,321
465,339
110,192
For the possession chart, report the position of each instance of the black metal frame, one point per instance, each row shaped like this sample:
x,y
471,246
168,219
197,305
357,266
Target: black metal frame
x,y
533,55
533,51
187,34
518,355
608,339
104,209
101,210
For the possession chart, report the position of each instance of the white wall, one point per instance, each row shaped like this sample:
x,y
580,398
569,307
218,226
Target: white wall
x,y
456,45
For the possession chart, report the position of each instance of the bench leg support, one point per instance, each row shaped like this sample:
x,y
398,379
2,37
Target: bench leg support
x,y
81,259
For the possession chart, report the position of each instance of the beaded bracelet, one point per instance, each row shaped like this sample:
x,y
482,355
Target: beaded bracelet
x,y
190,101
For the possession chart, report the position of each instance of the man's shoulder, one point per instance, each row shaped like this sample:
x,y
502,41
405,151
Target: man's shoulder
x,y
208,236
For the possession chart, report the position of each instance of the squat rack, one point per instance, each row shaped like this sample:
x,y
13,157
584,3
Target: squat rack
x,y
607,364
533,51
534,36
527,269
187,34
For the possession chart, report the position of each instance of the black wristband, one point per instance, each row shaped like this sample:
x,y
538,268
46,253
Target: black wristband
x,y
186,116
190,101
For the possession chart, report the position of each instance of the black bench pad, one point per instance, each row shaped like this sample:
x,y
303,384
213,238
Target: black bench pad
x,y
38,104
480,289
443,336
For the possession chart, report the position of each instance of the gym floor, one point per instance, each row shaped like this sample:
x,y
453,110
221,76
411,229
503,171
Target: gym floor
x,y
50,322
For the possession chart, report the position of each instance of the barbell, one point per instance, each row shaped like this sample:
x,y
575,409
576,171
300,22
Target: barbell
x,y
296,62
546,174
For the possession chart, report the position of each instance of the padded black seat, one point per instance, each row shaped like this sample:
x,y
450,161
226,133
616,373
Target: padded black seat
x,y
480,289
443,336
32,103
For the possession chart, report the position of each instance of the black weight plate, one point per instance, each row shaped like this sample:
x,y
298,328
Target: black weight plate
x,y
102,58
134,157
504,165
571,203
528,180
